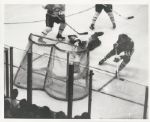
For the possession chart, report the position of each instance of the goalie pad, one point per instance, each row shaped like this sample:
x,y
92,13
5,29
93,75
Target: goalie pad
x,y
94,43
76,67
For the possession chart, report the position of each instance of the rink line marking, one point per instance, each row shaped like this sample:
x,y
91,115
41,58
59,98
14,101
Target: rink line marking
x,y
114,74
99,90
102,70
122,98
106,84
36,21
134,82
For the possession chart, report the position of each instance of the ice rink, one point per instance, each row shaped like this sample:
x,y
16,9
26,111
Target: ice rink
x,y
111,99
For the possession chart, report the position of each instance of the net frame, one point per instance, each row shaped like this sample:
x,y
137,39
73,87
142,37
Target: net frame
x,y
54,46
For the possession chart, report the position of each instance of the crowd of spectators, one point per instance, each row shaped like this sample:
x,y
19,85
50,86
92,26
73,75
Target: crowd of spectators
x,y
22,109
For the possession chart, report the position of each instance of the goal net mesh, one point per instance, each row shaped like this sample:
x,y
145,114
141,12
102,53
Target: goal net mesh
x,y
50,68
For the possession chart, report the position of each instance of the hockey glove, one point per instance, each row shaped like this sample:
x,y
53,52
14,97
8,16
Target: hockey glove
x,y
117,59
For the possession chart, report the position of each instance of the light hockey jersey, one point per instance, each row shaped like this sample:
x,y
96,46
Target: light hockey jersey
x,y
55,9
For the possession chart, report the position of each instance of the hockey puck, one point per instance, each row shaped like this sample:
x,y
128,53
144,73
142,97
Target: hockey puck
x,y
121,79
131,17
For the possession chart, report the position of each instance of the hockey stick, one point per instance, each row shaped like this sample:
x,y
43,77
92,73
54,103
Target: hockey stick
x,y
117,71
84,33
129,17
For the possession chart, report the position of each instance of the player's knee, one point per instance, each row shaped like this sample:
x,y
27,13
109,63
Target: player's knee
x,y
48,29
110,14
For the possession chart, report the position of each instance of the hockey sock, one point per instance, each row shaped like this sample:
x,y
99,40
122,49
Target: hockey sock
x,y
111,53
111,16
95,17
61,28
122,65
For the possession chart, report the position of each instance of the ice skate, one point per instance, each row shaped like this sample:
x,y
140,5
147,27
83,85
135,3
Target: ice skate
x,y
60,37
114,25
102,61
92,27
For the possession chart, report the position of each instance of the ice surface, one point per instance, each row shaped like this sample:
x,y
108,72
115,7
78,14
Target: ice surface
x,y
103,106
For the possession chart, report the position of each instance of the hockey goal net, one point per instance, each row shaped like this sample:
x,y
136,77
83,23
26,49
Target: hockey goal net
x,y
50,68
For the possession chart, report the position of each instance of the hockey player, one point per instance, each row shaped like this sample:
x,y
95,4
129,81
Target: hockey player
x,y
74,40
123,44
55,14
108,9
90,44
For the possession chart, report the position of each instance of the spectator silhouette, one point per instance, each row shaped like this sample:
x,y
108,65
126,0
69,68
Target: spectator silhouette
x,y
13,100
60,115
85,115
7,112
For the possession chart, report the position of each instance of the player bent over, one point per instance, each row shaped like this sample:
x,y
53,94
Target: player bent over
x,y
123,44
92,43
55,14
98,9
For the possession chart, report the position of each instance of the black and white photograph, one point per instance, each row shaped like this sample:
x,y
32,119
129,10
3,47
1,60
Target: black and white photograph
x,y
76,60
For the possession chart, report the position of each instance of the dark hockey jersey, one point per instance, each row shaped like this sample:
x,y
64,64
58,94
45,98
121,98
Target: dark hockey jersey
x,y
125,44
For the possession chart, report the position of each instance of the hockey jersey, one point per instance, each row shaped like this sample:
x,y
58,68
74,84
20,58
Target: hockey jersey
x,y
55,9
125,44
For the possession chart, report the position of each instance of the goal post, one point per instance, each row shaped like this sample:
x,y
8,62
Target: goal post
x,y
50,68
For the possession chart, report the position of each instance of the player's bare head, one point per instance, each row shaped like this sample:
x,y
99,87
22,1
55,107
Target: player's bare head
x,y
123,37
